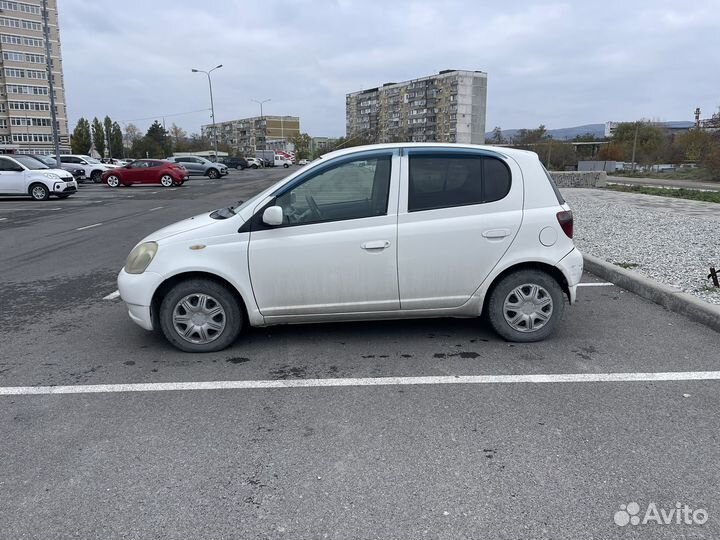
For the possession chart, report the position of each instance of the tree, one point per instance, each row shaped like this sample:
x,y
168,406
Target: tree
x,y
611,152
107,130
497,136
301,141
650,141
81,140
155,144
98,135
132,134
116,141
696,144
530,136
178,137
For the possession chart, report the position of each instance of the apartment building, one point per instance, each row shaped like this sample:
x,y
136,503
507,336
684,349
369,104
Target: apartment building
x,y
247,135
25,118
447,107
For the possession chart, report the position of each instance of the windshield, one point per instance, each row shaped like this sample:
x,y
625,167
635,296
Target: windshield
x,y
30,162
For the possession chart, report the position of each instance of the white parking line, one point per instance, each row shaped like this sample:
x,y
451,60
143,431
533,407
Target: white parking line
x,y
112,296
372,381
3,218
598,284
88,226
157,208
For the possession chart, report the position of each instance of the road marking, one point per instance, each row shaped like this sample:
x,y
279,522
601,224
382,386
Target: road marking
x,y
88,226
3,218
156,208
112,296
599,284
372,381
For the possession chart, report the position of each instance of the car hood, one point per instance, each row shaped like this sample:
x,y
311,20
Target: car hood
x,y
62,173
192,225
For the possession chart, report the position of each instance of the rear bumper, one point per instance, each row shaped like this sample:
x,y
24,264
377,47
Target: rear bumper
x,y
572,268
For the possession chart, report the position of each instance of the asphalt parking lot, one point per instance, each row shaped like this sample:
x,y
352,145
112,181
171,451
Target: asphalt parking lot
x,y
419,455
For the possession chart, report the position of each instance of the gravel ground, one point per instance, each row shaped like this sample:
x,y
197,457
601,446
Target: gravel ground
x,y
675,245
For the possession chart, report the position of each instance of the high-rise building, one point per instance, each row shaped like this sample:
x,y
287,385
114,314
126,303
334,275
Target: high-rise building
x,y
25,117
447,107
247,135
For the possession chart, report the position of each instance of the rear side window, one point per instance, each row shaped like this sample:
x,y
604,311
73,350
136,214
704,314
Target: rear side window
x,y
448,180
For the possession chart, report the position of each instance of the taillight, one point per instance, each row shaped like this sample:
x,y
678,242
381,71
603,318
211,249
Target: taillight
x,y
565,219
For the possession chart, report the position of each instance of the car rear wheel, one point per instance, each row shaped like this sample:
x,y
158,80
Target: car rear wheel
x,y
200,315
95,176
213,173
526,306
39,192
113,181
167,181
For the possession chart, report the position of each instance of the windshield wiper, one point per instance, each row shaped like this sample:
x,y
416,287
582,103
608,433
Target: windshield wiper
x,y
224,213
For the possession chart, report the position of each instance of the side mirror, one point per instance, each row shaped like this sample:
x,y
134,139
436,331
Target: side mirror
x,y
82,162
273,216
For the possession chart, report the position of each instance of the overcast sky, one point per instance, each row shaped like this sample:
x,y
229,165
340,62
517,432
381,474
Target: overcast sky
x,y
555,63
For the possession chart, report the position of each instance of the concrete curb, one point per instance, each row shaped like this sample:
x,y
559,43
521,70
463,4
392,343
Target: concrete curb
x,y
664,295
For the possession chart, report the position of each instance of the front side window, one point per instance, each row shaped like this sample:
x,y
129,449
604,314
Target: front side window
x,y
449,180
351,190
8,165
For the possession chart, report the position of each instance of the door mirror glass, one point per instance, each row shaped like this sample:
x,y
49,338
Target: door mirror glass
x,y
83,162
273,216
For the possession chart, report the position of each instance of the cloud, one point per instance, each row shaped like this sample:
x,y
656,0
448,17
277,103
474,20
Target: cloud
x,y
556,63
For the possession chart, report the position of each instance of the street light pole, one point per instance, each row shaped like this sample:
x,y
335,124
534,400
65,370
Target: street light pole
x,y
212,105
51,85
261,119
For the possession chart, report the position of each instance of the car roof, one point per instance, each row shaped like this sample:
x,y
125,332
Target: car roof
x,y
501,150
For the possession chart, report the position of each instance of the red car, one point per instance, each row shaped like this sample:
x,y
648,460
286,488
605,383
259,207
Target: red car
x,y
146,171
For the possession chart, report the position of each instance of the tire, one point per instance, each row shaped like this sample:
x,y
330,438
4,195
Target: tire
x,y
39,192
213,173
239,167
95,176
540,304
182,301
253,166
113,181
167,181
286,165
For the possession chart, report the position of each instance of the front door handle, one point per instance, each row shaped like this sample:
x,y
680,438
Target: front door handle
x,y
496,233
376,244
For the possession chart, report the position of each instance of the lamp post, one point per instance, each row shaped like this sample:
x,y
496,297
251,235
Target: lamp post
x,y
261,119
212,106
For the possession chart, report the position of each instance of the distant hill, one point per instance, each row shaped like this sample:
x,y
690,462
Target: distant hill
x,y
597,130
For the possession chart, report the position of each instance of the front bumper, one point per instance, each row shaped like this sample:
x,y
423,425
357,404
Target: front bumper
x,y
62,186
572,268
137,291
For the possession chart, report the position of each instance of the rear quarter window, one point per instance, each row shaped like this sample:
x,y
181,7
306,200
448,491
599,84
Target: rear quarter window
x,y
447,180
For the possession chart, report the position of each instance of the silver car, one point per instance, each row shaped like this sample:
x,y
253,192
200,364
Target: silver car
x,y
200,166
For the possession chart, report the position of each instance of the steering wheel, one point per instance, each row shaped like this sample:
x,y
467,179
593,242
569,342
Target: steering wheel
x,y
313,206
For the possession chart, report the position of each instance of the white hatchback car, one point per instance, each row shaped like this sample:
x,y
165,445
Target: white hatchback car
x,y
26,175
373,232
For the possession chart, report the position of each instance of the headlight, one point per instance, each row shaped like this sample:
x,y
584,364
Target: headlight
x,y
140,257
52,175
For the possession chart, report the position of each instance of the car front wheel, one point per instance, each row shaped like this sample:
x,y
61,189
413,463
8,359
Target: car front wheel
x,y
39,192
200,315
167,181
95,176
526,306
213,173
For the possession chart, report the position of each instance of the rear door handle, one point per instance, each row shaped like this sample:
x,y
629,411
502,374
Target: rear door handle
x,y
496,233
376,244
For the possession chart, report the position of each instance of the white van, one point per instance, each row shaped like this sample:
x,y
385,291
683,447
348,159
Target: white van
x,y
281,161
